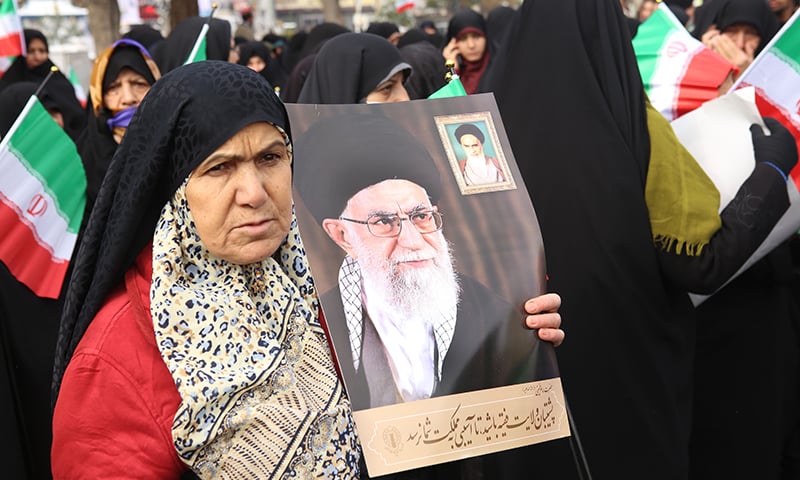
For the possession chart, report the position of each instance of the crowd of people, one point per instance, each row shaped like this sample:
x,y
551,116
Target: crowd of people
x,y
188,340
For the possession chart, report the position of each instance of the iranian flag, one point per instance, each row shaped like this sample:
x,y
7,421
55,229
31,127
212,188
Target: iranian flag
x,y
679,72
453,88
12,39
80,93
42,198
401,6
775,75
198,53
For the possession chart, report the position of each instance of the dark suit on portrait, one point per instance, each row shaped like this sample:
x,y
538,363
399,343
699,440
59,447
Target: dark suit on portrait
x,y
490,348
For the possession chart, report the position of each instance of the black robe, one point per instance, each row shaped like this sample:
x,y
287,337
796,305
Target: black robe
x,y
569,90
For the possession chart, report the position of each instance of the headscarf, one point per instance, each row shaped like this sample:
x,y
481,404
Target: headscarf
x,y
146,35
428,70
273,377
349,67
465,21
724,13
302,62
14,98
497,22
580,136
97,145
175,49
58,86
383,29
274,74
412,36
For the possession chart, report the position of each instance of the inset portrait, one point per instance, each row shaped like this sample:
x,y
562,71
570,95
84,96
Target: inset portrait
x,y
474,152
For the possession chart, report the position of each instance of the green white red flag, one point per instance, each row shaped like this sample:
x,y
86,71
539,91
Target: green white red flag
x,y
42,199
775,75
679,72
198,53
12,38
453,88
80,93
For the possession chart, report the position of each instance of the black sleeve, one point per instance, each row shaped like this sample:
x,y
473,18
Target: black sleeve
x,y
746,221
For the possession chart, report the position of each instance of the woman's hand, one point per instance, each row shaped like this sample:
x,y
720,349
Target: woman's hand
x,y
450,51
543,315
728,50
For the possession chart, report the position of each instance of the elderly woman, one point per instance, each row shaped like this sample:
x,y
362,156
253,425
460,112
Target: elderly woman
x,y
191,336
122,74
357,68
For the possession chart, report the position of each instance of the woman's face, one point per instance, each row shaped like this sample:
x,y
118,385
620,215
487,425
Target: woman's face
x,y
390,91
471,46
37,53
744,36
126,91
256,63
241,195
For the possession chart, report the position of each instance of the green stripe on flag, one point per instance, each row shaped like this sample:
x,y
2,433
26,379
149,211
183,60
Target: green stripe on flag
x,y
787,47
649,42
198,53
49,155
454,88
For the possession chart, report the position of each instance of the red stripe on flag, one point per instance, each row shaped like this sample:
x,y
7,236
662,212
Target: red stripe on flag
x,y
26,258
700,83
11,45
768,109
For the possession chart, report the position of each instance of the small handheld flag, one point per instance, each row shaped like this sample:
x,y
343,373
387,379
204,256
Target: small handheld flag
x,y
679,72
12,38
454,87
775,75
42,200
199,53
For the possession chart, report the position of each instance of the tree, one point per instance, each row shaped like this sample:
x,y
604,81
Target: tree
x,y
332,11
103,21
180,10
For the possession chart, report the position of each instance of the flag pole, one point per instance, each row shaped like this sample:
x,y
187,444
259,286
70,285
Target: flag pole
x,y
203,31
451,74
53,70
27,108
766,48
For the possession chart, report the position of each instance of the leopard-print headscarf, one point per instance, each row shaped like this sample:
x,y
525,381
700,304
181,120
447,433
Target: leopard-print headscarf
x,y
259,392
187,115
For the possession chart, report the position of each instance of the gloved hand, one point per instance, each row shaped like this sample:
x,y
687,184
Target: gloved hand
x,y
779,148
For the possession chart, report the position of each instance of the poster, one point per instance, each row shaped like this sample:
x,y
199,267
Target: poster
x,y
424,245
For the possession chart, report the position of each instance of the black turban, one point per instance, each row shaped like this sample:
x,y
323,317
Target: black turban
x,y
340,156
469,129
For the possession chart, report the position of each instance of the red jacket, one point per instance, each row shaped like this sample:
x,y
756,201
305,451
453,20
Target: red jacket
x,y
114,413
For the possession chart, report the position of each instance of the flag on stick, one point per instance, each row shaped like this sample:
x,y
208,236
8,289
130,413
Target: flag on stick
x,y
775,75
42,198
401,6
199,53
12,38
679,72
80,93
454,88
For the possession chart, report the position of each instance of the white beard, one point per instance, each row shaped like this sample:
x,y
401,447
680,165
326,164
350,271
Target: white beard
x,y
420,293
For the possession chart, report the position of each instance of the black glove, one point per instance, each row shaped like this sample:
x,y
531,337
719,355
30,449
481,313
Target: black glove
x,y
779,148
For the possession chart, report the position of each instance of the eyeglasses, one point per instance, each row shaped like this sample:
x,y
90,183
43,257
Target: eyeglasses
x,y
391,225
